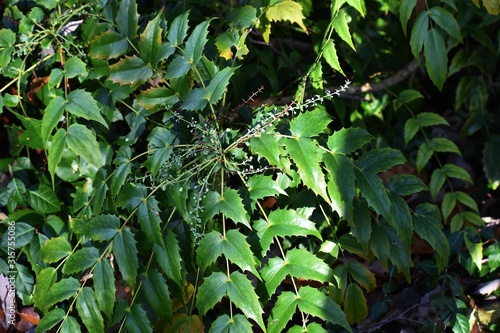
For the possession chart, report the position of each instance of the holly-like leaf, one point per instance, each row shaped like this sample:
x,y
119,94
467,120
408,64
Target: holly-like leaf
x,y
89,310
101,228
283,311
225,324
108,45
137,320
405,10
126,19
348,140
74,67
55,249
341,26
150,42
83,142
81,104
309,124
355,305
157,293
104,282
125,250
436,59
56,151
44,200
380,160
373,190
330,55
44,281
233,246
169,259
287,10
261,186
266,146
229,204
283,223
61,291
178,29
157,98
148,218
80,260
130,71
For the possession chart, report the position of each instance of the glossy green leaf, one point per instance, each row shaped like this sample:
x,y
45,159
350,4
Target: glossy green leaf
x,y
108,45
137,320
74,67
283,223
44,281
461,324
418,33
130,71
355,306
196,43
237,288
373,190
424,154
261,186
157,98
379,160
104,282
83,142
265,145
7,41
52,116
348,140
225,324
147,215
233,246
359,5
449,202
44,200
88,310
81,104
178,29
125,250
282,312
309,124
286,10
55,249
56,151
330,55
427,224
126,19
17,190
446,21
150,42
70,325
454,171
102,227
341,26
49,320
229,204
157,293
61,291
314,302
403,184
298,263
438,178
341,187
80,260
436,59
405,11
361,274
124,167
169,259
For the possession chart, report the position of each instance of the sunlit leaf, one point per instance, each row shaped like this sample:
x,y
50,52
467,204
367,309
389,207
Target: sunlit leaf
x,y
287,10
55,249
89,310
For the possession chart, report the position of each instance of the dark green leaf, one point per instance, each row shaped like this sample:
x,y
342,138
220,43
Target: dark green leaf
x,y
52,116
426,119
461,324
491,160
361,223
454,171
157,293
137,320
126,19
7,41
122,172
261,186
101,228
341,186
229,204
157,98
125,250
44,281
150,42
436,59
355,306
108,45
424,154
89,311
438,178
74,67
147,215
70,325
411,128
405,10
373,190
446,21
225,324
196,43
80,260
83,142
403,184
169,259
449,202
61,291
56,151
444,145
401,219
361,274
379,243
418,33
81,104
348,140
104,283
380,160
55,249
178,29
44,200
49,320
466,200
130,71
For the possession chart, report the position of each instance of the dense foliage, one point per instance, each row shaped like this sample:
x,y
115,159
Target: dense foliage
x,y
239,166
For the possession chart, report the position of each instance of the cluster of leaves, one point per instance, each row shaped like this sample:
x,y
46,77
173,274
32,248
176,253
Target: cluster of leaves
x,y
140,192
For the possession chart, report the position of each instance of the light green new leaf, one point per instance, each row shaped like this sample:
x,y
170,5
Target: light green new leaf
x,y
233,246
150,42
49,320
418,33
83,142
427,224
359,5
125,250
61,291
348,140
55,249
314,302
380,160
341,26
287,10
403,184
74,67
80,260
130,71
405,10
355,306
446,21
475,249
436,58
81,104
169,259
361,274
157,98
461,324
283,223
137,320
330,55
44,200
157,293
51,117
102,227
282,312
126,19
56,151
44,281
298,263
108,45
89,310
149,220
104,282
225,324
310,123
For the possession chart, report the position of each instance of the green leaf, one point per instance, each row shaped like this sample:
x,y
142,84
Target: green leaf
x,y
226,324
104,282
427,224
130,71
55,249
466,200
237,288
123,170
81,104
157,293
341,26
125,250
373,190
150,42
287,10
400,219
178,29
157,98
361,274
169,259
310,123
426,119
261,186
359,5
137,320
80,260
411,128
399,253
314,302
282,312
53,114
74,67
330,55
108,45
491,160
89,311
61,291
44,200
126,19
449,202
298,263
454,171
475,250
348,140
403,184
101,228
379,243
56,151
380,160
44,281
341,187
266,146
424,154
461,324
70,325
17,190
233,246
418,33
283,223
83,142
355,306
361,223
7,41
405,11
196,43
446,21
229,204
49,320
436,59
149,219
444,145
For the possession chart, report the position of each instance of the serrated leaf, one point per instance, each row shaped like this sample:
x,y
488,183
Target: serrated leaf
x,y
196,43
380,160
81,104
7,41
169,259
399,253
267,146
184,323
24,234
229,204
83,142
80,260
449,202
287,10
427,224
55,249
157,98
379,243
178,29
233,246
125,251
418,33
348,140
361,223
373,190
475,250
74,67
147,215
454,171
237,288
444,145
330,55
403,184
424,154
70,325
108,45
314,302
309,124
51,117
298,263
130,71
359,5
436,59
282,312
341,26
355,306
405,11
157,294
102,227
361,274
446,21
56,151
226,324
88,310
283,223
411,128
104,282
44,200
124,167
438,178
44,281
126,19
49,320
61,291
341,187
426,119
466,200
150,42
401,219
261,186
